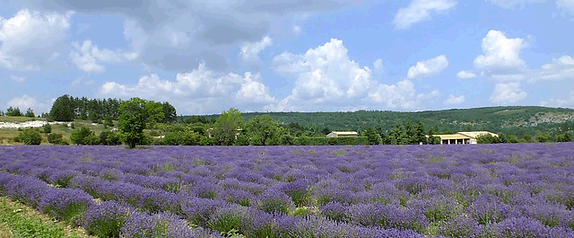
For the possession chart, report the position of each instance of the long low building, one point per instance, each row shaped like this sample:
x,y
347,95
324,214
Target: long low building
x,y
462,138
343,134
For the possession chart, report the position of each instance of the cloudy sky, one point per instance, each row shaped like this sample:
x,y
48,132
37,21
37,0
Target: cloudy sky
x,y
290,55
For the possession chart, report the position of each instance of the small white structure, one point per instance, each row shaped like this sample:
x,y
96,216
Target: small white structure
x,y
464,138
343,134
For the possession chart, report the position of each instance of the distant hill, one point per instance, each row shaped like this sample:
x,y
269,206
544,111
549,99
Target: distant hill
x,y
511,120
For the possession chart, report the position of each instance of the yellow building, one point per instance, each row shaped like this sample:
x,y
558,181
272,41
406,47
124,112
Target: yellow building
x,y
343,134
462,138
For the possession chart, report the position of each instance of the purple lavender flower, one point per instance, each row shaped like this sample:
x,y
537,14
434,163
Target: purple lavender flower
x,y
141,225
65,204
274,201
106,219
488,209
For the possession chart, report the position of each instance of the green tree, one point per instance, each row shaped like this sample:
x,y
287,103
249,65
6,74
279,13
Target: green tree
x,y
29,113
13,112
47,128
433,140
84,136
153,112
62,109
109,138
263,130
133,120
227,126
55,138
373,137
564,137
169,112
108,121
29,137
419,134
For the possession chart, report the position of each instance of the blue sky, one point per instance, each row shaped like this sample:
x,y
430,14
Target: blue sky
x,y
289,55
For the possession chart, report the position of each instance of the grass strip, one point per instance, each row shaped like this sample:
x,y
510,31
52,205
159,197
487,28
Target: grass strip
x,y
18,220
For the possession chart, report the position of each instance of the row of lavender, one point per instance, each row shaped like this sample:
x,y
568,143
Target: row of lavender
x,y
456,191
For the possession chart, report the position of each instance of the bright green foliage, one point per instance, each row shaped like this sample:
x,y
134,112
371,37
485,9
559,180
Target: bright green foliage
x,y
29,137
565,137
373,137
263,130
136,115
84,136
109,138
229,124
181,138
18,220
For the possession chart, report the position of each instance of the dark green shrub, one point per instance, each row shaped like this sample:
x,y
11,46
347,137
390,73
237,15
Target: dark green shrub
x,y
84,136
110,138
29,137
108,121
47,128
55,138
181,138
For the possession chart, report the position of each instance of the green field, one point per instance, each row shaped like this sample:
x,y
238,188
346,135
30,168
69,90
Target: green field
x,y
7,135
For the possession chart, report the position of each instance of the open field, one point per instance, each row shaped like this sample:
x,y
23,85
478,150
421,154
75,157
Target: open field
x,y
505,190
18,220
7,135
19,119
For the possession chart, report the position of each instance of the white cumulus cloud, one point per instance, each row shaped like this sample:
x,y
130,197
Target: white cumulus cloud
x,y
567,5
567,101
560,69
198,91
454,100
500,52
513,3
466,75
428,67
30,40
25,101
327,79
507,93
250,51
421,10
89,58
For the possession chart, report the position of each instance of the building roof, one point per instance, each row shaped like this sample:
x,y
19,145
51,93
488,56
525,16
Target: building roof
x,y
465,135
345,132
453,136
474,134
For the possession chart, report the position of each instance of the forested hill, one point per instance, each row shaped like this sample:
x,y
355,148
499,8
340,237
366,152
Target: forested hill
x,y
498,119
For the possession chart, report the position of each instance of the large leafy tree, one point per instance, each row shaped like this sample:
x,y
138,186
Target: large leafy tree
x,y
169,113
228,125
132,121
263,130
63,109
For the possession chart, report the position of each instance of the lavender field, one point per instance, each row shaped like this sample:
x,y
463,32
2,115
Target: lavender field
x,y
507,190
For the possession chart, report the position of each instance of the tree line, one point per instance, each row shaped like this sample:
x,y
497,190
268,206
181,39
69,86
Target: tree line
x,y
15,112
145,122
67,108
